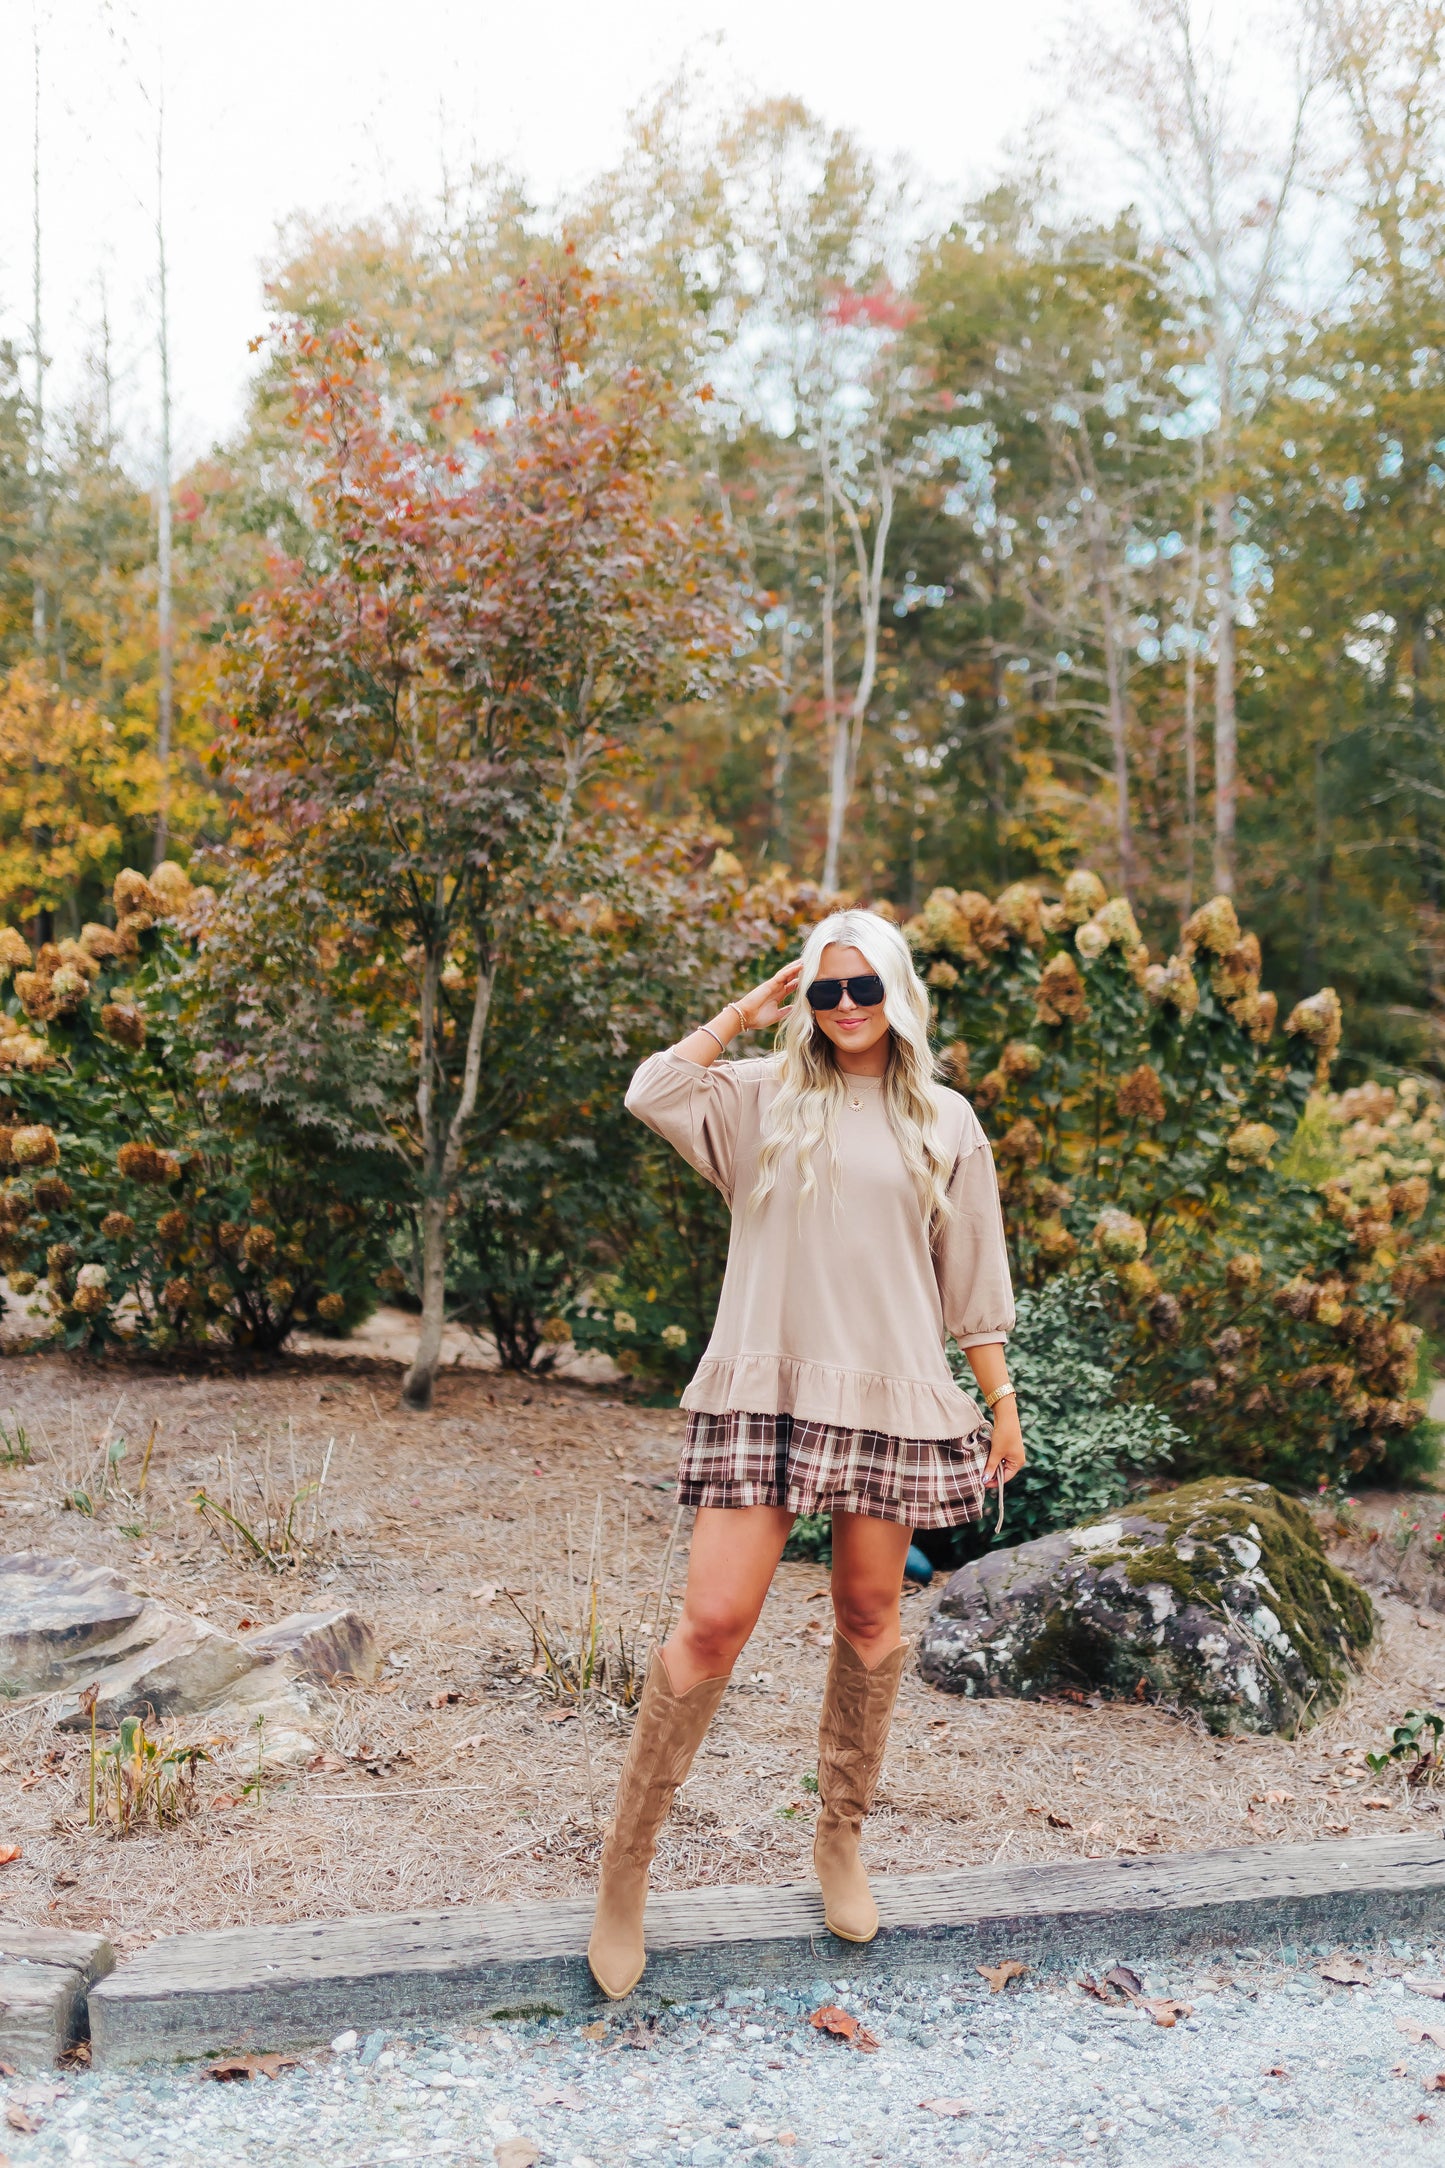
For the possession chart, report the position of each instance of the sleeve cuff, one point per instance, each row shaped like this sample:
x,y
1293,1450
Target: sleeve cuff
x,y
981,1339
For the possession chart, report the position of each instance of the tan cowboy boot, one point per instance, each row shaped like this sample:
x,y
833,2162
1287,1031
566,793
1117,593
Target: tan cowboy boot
x,y
852,1734
666,1733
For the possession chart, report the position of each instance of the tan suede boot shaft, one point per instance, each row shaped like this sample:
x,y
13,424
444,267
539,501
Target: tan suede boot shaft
x,y
666,1733
852,1736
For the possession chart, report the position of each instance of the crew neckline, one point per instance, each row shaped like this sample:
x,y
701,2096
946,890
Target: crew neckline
x,y
851,1083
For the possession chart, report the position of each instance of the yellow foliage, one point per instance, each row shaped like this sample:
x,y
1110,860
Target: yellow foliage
x,y
72,781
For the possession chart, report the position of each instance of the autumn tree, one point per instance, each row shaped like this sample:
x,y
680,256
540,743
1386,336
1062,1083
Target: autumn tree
x,y
421,704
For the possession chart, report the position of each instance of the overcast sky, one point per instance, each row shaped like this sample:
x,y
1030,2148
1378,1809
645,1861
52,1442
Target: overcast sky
x,y
281,106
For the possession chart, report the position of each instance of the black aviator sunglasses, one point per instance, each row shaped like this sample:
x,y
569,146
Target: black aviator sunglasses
x,y
866,992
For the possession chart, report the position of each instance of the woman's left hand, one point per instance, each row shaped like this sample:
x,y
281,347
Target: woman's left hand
x,y
1006,1455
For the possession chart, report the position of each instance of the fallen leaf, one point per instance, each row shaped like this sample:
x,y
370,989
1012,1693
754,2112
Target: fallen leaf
x,y
1345,1971
998,1976
560,2096
518,2153
644,2035
946,2107
1418,2030
1058,1821
560,1716
230,2068
1275,2070
1399,2070
1437,2083
1165,2011
1125,1979
10,1853
830,2019
444,1698
1337,1829
597,2031
487,1593
18,2119
219,1804
1435,1988
1385,1803
325,1765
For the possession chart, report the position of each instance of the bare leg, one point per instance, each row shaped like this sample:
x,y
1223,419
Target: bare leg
x,y
735,1553
868,1561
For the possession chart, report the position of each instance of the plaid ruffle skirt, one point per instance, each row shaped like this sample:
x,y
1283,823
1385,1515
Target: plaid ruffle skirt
x,y
744,1459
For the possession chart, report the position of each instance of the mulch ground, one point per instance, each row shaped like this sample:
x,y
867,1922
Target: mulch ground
x,y
461,1777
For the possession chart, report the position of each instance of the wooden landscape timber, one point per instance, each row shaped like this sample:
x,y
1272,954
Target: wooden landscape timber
x,y
297,1985
44,1975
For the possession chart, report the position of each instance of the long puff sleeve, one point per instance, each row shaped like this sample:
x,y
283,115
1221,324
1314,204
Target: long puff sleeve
x,y
699,1111
970,1253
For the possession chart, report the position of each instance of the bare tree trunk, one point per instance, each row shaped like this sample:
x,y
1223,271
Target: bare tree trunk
x,y
1226,728
782,746
848,729
1191,686
442,1157
837,729
164,655
39,508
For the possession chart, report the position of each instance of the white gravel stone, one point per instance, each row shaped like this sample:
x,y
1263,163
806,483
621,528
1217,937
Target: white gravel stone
x,y
1044,2074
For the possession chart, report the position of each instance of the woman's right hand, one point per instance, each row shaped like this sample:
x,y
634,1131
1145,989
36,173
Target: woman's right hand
x,y
768,1003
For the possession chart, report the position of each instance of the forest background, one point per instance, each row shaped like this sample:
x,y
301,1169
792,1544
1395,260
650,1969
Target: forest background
x,y
589,595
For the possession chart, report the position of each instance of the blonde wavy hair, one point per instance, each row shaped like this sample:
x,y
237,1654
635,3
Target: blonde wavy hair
x,y
805,1113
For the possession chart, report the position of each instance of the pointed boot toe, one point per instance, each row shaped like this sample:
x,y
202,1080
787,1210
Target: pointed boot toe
x,y
848,1908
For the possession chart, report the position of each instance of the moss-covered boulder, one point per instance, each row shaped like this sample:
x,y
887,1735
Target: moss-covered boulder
x,y
1217,1597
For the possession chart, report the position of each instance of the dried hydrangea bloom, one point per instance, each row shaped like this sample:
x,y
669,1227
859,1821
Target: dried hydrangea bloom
x,y
1139,1096
117,1227
942,975
1214,926
23,1283
673,1336
989,1089
15,950
1119,923
258,1246
132,892
1059,996
279,1292
1410,1198
171,1228
1165,1317
1181,990
1319,1019
1021,1058
34,1145
99,942
332,1308
1257,1014
123,1022
1055,1244
953,1060
1119,1237
1242,1271
176,1293
1084,894
170,885
79,958
218,1294
140,1162
1251,1144
52,1193
59,1258
1020,908
1139,1281
36,994
92,1289
68,989
1021,1142
1091,940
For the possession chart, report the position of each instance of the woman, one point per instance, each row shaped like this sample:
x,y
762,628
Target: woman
x,y
866,1227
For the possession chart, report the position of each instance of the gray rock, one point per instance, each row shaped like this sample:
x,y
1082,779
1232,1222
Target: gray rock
x,y
184,1664
1217,1597
322,1645
53,1612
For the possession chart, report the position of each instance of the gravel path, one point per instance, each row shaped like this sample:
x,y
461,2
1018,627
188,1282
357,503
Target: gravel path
x,y
1274,2065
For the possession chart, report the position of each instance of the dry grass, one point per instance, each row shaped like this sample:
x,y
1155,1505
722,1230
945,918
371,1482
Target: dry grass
x,y
424,1525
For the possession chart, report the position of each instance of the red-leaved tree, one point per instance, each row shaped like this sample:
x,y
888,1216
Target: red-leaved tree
x,y
422,703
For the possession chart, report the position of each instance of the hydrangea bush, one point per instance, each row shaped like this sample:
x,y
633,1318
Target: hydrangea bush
x,y
136,1205
1152,1117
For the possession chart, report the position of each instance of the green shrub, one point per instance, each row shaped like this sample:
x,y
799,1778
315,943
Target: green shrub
x,y
1144,1116
158,1209
1085,1443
